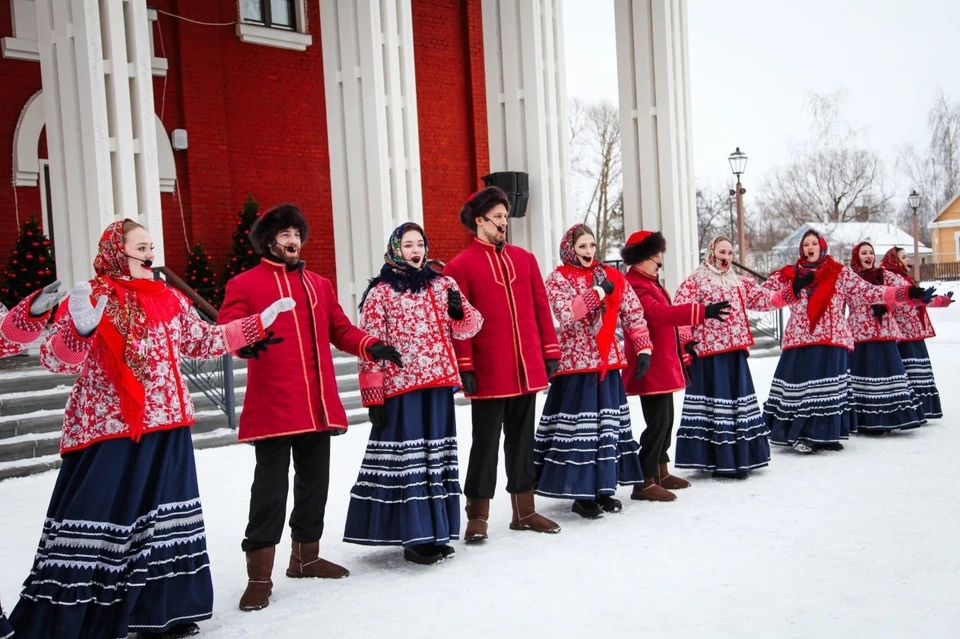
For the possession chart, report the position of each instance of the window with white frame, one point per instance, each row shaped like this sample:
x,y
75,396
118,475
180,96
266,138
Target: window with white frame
x,y
956,243
275,23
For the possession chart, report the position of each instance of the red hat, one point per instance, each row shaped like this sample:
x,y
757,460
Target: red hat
x,y
641,246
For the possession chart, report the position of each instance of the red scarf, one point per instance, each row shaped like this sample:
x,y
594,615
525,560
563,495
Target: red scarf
x,y
826,270
133,305
892,262
873,274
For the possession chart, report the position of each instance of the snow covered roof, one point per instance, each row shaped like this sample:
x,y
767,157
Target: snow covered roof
x,y
883,236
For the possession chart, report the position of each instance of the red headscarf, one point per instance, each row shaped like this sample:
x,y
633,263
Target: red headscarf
x,y
826,270
892,262
592,275
132,306
873,274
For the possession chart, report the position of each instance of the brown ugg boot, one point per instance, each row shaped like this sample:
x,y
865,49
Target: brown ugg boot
x,y
305,562
478,511
670,482
259,583
650,491
525,516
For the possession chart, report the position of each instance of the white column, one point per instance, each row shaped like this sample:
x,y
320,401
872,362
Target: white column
x,y
655,128
527,115
101,136
371,105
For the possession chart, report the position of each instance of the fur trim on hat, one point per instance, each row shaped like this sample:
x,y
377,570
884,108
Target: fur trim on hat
x,y
265,230
643,250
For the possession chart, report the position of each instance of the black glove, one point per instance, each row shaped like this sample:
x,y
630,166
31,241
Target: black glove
x,y
928,294
553,365
643,365
718,310
253,351
691,348
454,305
378,415
800,282
381,351
879,310
607,286
916,293
469,382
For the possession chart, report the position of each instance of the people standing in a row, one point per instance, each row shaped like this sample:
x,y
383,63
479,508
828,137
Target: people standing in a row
x,y
584,444
504,366
295,364
655,378
809,406
123,547
915,329
721,428
408,490
881,396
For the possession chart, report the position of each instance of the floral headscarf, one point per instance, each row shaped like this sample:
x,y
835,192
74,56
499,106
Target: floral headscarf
x,y
396,272
712,270
826,270
874,274
892,262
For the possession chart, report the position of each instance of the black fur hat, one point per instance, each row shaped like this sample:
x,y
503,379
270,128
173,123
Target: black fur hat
x,y
284,216
480,203
641,246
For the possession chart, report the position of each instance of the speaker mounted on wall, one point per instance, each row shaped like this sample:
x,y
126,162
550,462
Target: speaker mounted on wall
x,y
517,187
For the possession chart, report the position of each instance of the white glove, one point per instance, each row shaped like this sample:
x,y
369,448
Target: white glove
x,y
281,305
49,297
85,315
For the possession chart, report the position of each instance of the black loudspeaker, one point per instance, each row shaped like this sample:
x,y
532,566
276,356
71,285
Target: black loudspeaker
x,y
517,187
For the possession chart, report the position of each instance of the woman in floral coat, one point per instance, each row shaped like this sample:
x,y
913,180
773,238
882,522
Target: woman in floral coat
x,y
123,547
408,490
584,444
916,328
809,405
881,394
721,428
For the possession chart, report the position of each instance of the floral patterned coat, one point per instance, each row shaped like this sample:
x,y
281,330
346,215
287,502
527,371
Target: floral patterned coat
x,y
578,308
912,319
418,326
18,329
743,293
93,408
864,324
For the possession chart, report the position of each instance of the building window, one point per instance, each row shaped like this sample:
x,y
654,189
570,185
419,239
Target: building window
x,y
275,23
956,242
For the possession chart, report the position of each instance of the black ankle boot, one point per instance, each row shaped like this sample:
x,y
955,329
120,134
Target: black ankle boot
x,y
446,550
177,632
610,504
423,554
831,446
587,509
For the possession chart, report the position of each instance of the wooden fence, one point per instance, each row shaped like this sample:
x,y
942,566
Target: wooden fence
x,y
945,272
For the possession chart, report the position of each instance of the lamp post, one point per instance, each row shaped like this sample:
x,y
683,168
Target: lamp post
x,y
738,164
914,200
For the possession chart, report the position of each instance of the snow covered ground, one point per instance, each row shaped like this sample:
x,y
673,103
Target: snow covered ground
x,y
864,542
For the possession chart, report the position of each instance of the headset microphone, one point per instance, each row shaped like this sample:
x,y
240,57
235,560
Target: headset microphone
x,y
287,248
146,263
502,229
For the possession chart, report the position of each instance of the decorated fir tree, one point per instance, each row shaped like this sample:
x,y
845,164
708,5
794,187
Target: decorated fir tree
x,y
31,265
243,256
200,275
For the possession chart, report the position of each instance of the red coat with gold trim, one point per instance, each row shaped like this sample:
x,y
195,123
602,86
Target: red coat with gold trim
x,y
669,328
417,325
913,319
292,386
93,411
18,329
579,310
506,286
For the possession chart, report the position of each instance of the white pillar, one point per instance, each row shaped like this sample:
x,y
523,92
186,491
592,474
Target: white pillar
x,y
655,128
371,104
101,136
527,115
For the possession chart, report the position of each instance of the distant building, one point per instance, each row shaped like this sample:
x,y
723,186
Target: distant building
x,y
946,233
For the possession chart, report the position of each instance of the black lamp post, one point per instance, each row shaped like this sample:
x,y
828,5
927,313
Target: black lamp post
x,y
738,164
914,200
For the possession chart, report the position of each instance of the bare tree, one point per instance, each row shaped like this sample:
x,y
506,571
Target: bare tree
x,y
716,215
832,177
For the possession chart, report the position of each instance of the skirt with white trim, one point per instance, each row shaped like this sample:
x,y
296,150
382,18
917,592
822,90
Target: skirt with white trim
x,y
584,445
6,630
882,398
916,361
810,396
123,547
721,428
408,490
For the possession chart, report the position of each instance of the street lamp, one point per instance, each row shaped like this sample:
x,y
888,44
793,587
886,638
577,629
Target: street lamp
x,y
738,164
914,200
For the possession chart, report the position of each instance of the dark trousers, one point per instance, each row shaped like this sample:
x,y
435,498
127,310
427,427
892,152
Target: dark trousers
x,y
268,495
513,415
655,438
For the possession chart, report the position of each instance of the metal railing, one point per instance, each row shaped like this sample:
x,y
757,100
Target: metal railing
x,y
768,323
213,377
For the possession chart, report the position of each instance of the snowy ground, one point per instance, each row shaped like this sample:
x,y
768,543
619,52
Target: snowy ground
x,y
861,543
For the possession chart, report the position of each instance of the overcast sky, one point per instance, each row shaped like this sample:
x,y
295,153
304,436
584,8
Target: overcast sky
x,y
891,56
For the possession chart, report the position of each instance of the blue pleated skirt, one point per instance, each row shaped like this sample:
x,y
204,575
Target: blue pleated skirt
x,y
810,396
123,547
916,362
6,630
882,397
721,428
408,490
584,446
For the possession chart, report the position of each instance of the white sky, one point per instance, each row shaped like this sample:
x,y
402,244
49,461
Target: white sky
x,y
891,56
